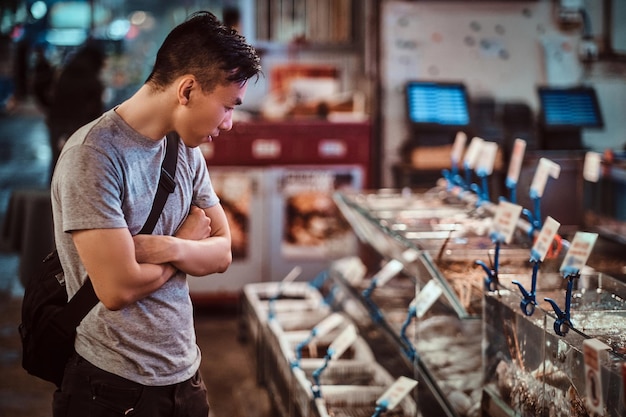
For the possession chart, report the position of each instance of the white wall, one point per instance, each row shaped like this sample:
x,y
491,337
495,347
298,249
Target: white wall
x,y
502,50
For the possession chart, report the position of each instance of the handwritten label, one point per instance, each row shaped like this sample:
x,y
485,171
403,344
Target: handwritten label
x,y
473,150
545,169
505,221
517,157
579,250
396,393
457,148
592,166
426,297
544,240
487,158
345,339
593,351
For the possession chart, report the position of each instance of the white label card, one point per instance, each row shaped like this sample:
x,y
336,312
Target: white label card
x,y
394,266
487,158
328,324
390,270
545,169
594,351
545,238
427,297
396,392
472,152
579,250
592,166
505,221
345,339
458,147
517,157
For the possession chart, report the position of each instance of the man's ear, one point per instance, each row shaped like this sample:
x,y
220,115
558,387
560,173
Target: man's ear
x,y
184,89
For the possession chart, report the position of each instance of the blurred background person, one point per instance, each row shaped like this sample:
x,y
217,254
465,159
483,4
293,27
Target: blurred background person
x,y
77,96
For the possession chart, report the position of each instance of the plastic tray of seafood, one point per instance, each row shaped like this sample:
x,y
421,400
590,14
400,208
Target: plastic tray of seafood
x,y
536,366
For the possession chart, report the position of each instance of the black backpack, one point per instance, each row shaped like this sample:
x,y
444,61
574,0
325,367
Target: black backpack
x,y
49,321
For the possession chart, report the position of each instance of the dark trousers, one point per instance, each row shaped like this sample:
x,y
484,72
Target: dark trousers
x,y
90,391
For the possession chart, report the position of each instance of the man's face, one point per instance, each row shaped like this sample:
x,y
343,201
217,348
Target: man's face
x,y
206,114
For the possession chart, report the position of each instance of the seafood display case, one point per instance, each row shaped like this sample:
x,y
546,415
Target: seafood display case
x,y
478,346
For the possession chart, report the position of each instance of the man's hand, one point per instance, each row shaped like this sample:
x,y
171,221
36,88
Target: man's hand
x,y
197,225
155,249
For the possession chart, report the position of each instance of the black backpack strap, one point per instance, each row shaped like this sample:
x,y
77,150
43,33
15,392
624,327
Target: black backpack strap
x,y
77,308
166,183
85,298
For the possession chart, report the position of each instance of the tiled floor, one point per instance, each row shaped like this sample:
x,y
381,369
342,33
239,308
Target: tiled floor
x,y
228,365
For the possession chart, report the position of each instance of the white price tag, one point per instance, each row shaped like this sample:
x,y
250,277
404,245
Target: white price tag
x,y
517,158
394,266
594,351
545,238
592,166
473,150
579,250
545,169
487,158
505,221
396,392
345,339
457,148
390,270
328,324
426,297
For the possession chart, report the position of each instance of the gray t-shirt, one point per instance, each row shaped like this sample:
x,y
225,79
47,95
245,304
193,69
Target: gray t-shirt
x,y
106,177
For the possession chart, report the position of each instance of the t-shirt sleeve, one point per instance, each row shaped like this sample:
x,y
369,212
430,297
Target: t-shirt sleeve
x,y
204,195
90,192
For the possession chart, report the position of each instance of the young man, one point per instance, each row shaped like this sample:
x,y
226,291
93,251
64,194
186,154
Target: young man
x,y
136,350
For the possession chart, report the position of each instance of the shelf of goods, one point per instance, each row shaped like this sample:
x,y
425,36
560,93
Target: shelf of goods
x,y
479,349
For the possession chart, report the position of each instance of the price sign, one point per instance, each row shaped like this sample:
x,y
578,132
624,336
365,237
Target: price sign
x,y
487,159
345,339
592,166
578,252
328,324
458,147
593,351
545,238
505,221
473,150
517,157
393,267
426,297
545,169
396,393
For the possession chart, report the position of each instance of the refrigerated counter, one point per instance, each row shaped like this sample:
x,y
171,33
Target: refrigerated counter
x,y
477,348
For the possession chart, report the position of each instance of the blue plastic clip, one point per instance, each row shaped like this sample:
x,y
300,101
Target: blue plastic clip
x,y
315,388
529,302
491,280
563,322
534,217
409,349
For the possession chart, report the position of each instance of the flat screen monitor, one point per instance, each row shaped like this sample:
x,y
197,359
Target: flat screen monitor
x,y
437,105
569,108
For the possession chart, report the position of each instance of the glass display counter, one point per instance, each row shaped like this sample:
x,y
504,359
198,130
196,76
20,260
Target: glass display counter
x,y
476,348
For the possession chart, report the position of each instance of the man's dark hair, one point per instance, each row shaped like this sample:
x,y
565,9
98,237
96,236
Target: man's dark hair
x,y
203,46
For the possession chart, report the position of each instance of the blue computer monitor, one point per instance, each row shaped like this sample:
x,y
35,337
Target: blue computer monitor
x,y
437,105
569,108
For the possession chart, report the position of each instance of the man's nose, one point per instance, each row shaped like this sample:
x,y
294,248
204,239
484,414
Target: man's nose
x,y
227,123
